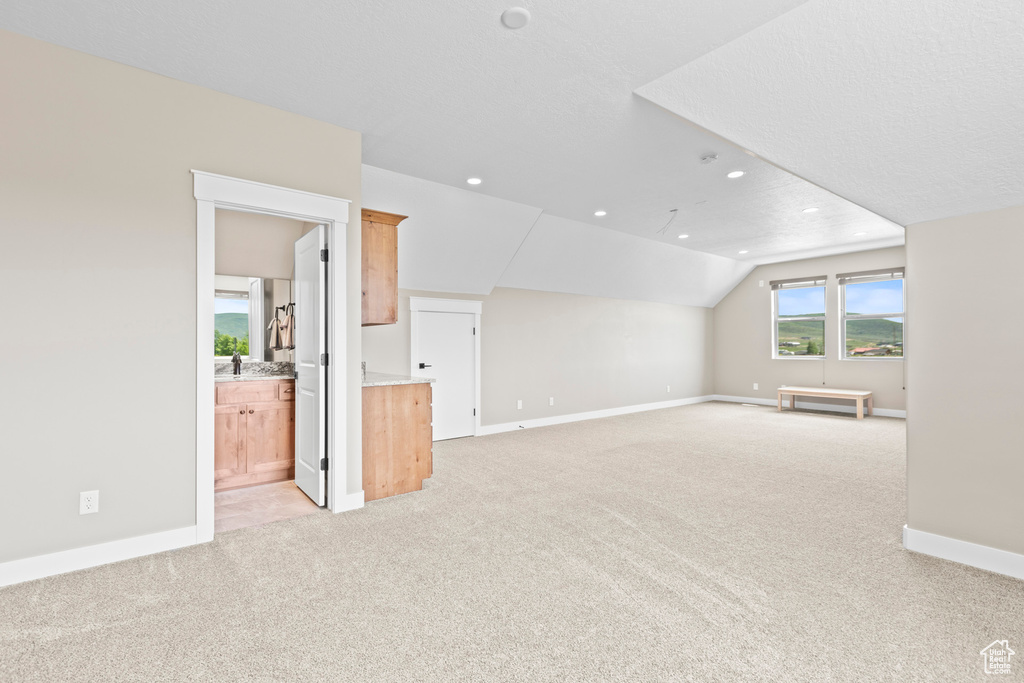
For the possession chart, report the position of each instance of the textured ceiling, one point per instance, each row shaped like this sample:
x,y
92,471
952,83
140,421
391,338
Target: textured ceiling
x,y
913,109
546,115
456,240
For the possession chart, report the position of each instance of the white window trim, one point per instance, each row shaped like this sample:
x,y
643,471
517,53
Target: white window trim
x,y
870,316
775,325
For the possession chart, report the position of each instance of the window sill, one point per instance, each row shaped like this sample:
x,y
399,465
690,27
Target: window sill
x,y
798,357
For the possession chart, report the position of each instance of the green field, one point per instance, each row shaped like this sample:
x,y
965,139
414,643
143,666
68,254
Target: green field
x,y
796,336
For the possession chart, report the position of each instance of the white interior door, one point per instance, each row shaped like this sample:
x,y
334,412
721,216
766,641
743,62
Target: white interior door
x,y
447,352
310,364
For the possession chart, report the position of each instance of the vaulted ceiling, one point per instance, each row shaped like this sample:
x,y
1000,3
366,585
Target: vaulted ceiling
x,y
876,114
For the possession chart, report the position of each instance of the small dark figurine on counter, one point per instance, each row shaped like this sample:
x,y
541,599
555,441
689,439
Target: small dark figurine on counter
x,y
236,361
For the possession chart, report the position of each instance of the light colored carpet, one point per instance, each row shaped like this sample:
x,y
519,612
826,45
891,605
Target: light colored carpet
x,y
713,542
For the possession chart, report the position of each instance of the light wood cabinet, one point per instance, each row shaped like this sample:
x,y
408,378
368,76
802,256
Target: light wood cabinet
x,y
397,439
380,267
254,442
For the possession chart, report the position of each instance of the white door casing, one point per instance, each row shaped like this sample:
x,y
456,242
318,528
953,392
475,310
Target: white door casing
x,y
310,363
257,332
214,192
445,335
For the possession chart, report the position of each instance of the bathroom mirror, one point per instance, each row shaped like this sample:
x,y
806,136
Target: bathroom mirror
x,y
243,309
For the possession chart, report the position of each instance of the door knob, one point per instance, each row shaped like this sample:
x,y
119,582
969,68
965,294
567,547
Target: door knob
x,y
424,365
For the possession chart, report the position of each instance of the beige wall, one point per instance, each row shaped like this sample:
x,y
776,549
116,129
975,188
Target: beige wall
x,y
589,353
743,336
965,427
96,195
254,245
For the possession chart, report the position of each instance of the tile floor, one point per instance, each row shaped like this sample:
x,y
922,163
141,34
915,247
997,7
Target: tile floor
x,y
256,505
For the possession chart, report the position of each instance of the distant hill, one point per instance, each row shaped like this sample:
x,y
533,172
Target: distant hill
x,y
866,333
232,324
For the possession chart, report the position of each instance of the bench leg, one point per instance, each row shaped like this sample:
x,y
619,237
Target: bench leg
x,y
780,403
860,409
871,405
792,401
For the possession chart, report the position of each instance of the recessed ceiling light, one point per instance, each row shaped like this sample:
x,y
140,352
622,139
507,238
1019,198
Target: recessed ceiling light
x,y
735,174
683,237
859,234
600,213
515,17
745,251
473,181
810,209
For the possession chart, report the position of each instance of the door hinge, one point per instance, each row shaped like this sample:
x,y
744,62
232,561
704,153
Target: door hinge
x,y
323,464
323,255
325,359
474,331
474,411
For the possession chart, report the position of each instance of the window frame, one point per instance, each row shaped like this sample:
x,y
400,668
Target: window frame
x,y
230,294
799,283
864,277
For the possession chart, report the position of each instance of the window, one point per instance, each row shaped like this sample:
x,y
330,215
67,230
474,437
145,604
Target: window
x,y
231,323
873,309
799,317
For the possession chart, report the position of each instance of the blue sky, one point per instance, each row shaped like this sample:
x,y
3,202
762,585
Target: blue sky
x,y
885,296
875,297
230,306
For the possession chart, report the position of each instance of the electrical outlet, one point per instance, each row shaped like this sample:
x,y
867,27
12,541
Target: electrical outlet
x,y
760,283
551,400
668,388
88,502
519,404
755,386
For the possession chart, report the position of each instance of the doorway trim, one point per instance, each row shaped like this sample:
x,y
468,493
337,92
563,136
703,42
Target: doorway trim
x,y
418,304
214,192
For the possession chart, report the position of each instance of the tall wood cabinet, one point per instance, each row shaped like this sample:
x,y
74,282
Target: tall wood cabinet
x,y
380,267
254,433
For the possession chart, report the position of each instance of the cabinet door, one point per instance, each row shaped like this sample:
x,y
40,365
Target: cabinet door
x,y
380,267
410,457
229,442
270,440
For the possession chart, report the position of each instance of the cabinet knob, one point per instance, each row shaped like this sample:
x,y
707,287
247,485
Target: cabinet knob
x,y
250,411
241,412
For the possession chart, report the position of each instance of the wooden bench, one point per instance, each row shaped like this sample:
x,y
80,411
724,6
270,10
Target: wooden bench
x,y
824,392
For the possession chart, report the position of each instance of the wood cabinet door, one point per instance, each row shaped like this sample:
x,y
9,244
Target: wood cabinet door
x,y
409,461
380,267
229,457
376,442
270,440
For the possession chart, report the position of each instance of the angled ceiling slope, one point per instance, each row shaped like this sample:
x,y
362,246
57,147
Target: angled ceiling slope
x,y
911,109
458,240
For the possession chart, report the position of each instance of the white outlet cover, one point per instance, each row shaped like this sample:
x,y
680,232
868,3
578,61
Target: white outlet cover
x,y
519,405
668,389
755,386
551,400
88,502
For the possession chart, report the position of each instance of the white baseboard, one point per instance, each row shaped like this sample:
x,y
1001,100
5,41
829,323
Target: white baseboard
x,y
486,430
964,552
30,568
809,405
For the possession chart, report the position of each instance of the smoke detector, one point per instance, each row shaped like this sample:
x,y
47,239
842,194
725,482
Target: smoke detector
x,y
709,158
515,17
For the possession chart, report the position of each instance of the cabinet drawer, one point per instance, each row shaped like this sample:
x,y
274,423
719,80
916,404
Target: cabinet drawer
x,y
286,391
246,392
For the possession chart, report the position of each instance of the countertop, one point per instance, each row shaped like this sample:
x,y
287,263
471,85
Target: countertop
x,y
381,379
249,378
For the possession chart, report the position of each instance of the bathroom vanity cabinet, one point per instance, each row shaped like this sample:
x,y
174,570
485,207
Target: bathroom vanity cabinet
x,y
254,433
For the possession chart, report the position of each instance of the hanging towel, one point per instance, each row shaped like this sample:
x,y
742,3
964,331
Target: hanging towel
x,y
275,334
288,328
